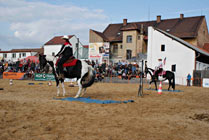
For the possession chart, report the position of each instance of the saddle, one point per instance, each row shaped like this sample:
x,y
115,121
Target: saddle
x,y
70,62
163,72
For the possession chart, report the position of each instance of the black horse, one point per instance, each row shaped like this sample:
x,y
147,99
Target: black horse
x,y
170,76
83,72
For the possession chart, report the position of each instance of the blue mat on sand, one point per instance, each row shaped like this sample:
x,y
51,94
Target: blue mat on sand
x,y
89,100
166,90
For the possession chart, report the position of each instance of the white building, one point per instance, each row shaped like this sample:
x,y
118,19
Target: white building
x,y
15,54
53,46
181,57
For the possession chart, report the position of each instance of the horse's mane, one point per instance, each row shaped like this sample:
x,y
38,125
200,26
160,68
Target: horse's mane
x,y
150,71
51,58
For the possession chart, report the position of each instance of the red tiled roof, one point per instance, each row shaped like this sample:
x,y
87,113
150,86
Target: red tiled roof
x,y
57,40
206,47
113,32
182,28
40,50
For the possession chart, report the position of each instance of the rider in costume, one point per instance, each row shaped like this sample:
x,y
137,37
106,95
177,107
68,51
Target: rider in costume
x,y
159,68
65,53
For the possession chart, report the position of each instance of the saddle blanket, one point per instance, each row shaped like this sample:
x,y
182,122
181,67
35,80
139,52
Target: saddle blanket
x,y
162,73
89,100
70,62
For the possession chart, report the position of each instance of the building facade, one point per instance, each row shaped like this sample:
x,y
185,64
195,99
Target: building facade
x,y
15,54
130,40
53,46
180,57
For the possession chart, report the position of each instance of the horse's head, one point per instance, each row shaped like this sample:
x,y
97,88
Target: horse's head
x,y
43,62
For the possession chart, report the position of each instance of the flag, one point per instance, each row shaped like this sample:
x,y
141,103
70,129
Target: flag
x,y
164,61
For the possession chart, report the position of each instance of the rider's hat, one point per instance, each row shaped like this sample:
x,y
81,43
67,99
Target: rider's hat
x,y
65,37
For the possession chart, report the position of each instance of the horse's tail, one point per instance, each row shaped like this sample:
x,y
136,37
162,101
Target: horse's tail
x,y
88,79
173,85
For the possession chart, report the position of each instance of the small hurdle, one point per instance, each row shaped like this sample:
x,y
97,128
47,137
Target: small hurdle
x,y
10,82
35,83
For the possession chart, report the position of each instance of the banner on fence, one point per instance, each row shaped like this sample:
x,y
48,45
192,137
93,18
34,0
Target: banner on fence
x,y
99,51
13,75
205,82
44,77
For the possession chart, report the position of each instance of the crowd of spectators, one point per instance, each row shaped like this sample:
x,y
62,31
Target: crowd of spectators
x,y
122,69
26,66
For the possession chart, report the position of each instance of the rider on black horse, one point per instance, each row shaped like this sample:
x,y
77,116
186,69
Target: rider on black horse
x,y
159,68
65,53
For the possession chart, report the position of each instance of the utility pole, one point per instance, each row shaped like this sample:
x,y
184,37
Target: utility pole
x,y
140,91
77,47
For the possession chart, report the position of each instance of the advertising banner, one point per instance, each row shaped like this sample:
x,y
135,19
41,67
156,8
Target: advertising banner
x,y
205,82
13,75
99,51
44,77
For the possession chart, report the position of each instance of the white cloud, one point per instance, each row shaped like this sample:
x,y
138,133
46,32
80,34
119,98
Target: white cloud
x,y
36,22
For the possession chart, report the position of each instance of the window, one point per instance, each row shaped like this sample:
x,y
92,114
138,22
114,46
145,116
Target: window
x,y
162,48
19,55
167,30
129,39
23,54
139,37
115,48
5,55
14,55
53,53
121,46
173,68
128,54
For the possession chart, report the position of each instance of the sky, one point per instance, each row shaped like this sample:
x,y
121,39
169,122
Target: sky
x,y
31,23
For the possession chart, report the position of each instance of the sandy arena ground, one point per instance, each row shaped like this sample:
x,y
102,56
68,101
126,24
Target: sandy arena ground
x,y
29,112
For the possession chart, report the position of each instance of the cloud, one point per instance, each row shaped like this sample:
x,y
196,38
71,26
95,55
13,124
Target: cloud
x,y
34,23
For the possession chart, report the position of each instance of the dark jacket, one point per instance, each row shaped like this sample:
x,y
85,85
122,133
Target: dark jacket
x,y
66,50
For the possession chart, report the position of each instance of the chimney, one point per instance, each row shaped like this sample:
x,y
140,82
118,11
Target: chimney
x,y
158,19
124,22
142,29
181,16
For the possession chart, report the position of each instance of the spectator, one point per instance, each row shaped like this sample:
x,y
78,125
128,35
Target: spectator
x,y
124,75
103,66
32,66
24,64
188,80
